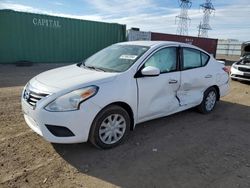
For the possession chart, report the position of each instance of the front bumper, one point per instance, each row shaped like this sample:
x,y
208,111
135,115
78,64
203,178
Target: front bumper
x,y
239,75
78,122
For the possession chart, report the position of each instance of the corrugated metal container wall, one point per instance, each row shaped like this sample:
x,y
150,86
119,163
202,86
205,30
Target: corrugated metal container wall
x,y
42,38
134,35
207,44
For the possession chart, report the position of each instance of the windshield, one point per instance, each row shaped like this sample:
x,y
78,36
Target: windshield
x,y
116,58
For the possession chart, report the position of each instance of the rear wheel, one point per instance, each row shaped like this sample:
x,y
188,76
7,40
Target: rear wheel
x,y
110,127
209,101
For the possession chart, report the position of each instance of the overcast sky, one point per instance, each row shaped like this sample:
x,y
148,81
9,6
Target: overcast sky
x,y
231,19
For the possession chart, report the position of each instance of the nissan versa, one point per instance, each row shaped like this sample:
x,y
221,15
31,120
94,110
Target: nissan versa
x,y
102,98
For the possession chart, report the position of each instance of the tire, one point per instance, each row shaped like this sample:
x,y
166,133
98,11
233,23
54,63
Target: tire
x,y
233,79
209,101
110,127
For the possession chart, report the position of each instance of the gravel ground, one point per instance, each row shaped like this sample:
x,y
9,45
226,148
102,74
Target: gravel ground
x,y
187,149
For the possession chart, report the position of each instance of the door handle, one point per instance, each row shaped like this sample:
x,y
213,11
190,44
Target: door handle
x,y
208,76
172,81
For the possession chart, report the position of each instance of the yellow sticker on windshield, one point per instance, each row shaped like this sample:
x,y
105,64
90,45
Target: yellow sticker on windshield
x,y
129,57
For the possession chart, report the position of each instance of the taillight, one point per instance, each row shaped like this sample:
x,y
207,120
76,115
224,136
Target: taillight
x,y
226,69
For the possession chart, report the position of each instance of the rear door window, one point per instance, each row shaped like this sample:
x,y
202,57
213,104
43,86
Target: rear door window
x,y
193,58
204,59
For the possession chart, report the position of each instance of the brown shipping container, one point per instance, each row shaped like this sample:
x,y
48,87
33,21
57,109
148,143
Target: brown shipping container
x,y
207,44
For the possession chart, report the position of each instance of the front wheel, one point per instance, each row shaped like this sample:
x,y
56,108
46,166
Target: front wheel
x,y
209,101
110,127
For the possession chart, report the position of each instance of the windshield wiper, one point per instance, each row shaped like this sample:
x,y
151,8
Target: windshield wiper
x,y
82,64
94,68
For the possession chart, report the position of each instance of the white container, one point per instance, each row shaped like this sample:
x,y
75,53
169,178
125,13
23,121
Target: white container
x,y
134,35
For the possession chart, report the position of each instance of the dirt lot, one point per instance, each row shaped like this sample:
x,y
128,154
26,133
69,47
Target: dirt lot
x,y
187,149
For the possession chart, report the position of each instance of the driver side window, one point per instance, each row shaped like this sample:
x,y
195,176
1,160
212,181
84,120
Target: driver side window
x,y
164,59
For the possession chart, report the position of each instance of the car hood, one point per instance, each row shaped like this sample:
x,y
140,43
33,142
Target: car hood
x,y
242,63
70,77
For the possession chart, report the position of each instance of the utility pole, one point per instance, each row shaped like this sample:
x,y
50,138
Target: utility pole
x,y
204,26
183,18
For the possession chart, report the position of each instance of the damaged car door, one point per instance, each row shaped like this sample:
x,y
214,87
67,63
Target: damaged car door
x,y
196,77
157,93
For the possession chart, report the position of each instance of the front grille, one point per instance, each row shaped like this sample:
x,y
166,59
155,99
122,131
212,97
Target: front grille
x,y
33,97
244,76
243,69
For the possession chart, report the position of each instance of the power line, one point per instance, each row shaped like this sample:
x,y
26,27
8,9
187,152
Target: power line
x,y
183,18
208,9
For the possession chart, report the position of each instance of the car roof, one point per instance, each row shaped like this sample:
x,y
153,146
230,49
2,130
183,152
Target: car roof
x,y
154,43
159,44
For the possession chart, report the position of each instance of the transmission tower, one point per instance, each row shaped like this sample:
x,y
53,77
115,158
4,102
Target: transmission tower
x,y
183,18
208,9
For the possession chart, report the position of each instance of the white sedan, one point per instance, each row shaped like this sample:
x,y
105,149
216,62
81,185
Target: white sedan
x,y
241,70
102,98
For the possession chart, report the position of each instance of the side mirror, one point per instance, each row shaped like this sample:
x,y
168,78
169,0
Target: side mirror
x,y
150,71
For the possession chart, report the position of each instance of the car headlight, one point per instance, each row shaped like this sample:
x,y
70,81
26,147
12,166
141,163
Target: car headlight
x,y
71,101
234,66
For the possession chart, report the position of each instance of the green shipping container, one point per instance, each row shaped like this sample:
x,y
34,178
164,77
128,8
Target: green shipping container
x,y
45,39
